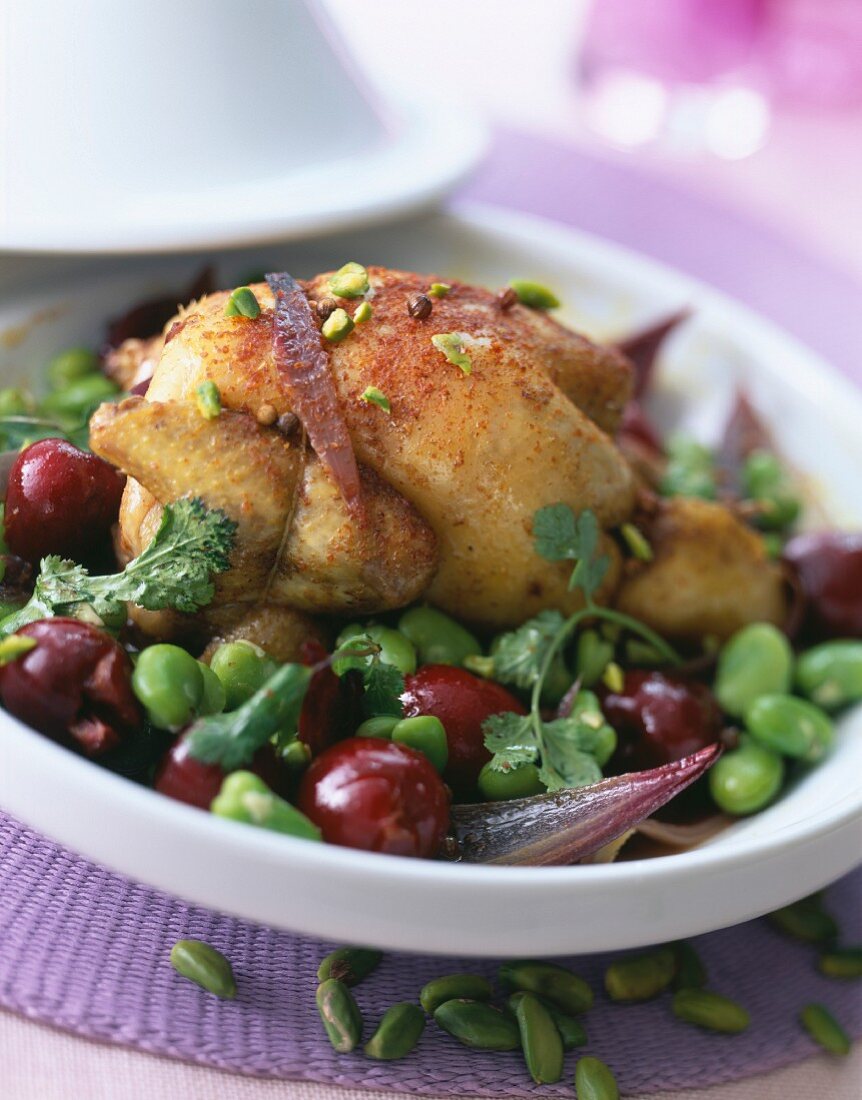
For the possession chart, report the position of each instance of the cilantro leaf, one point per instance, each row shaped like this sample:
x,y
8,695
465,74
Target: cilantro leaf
x,y
559,535
570,751
384,686
231,740
518,655
383,683
512,740
193,542
555,532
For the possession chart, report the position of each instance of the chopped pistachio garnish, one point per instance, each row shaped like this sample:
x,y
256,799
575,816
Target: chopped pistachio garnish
x,y
613,678
534,295
350,281
636,542
452,346
377,397
362,313
14,646
242,303
337,325
208,400
439,290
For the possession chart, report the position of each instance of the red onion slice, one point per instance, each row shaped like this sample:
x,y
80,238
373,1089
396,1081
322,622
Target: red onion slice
x,y
304,364
563,827
642,347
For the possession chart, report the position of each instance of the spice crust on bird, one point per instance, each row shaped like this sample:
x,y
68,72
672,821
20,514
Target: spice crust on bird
x,y
451,475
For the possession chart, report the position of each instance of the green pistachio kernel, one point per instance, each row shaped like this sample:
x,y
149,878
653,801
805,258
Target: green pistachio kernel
x,y
373,396
451,344
636,542
208,400
242,303
245,797
337,325
362,313
350,281
534,295
439,290
14,646
613,677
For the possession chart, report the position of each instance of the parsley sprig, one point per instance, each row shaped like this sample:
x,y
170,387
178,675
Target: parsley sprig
x,y
565,748
192,544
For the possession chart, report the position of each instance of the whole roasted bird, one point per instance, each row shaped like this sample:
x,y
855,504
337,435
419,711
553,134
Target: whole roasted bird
x,y
522,415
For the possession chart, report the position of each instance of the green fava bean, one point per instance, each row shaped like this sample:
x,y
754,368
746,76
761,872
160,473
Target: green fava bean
x,y
824,1029
641,977
169,684
790,726
340,1015
245,797
830,674
206,967
78,397
426,734
213,698
349,964
15,402
561,987
571,1031
540,1040
805,920
395,648
397,1033
690,971
710,1011
382,726
843,962
592,656
243,669
70,366
438,639
520,782
756,661
453,987
594,1080
746,779
478,1025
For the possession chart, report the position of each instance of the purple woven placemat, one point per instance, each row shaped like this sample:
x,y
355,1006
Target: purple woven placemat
x,y
87,950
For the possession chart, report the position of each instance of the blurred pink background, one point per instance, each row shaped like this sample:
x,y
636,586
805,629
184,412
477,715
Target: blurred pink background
x,y
792,148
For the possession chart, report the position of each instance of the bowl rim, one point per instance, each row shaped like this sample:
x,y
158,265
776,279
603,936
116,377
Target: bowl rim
x,y
138,807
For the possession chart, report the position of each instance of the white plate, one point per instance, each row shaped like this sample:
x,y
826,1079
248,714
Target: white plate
x,y
429,149
811,836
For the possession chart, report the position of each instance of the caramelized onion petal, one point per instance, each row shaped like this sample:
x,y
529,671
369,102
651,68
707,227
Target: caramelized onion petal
x,y
565,826
304,364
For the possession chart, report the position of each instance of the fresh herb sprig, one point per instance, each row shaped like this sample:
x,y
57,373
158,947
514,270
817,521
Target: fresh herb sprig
x,y
525,657
231,740
383,683
192,544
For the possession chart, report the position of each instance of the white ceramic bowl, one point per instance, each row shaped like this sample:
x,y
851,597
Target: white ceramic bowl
x,y
811,836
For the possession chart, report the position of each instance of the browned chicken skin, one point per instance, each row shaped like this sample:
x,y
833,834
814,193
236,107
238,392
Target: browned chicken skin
x,y
450,479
